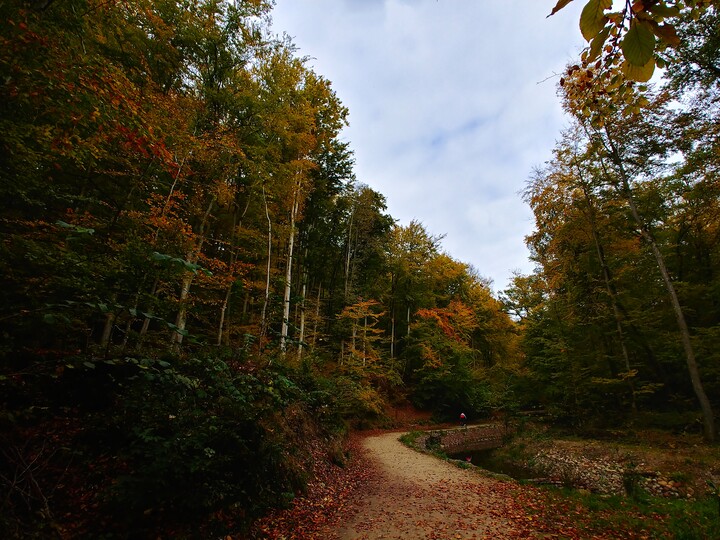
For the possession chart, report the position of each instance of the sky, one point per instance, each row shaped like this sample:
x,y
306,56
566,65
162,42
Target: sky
x,y
452,104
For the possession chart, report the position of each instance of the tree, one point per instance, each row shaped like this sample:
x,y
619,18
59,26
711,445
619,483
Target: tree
x,y
630,147
410,250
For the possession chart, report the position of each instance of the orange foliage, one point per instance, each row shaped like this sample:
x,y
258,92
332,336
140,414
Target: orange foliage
x,y
456,321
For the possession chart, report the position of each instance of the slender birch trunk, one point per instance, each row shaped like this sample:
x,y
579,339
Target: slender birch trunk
x,y
146,321
348,253
288,274
392,333
617,316
301,336
364,343
354,336
233,259
228,291
263,316
317,315
223,310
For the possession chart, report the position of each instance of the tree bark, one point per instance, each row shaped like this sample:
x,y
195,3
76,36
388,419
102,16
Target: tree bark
x,y
316,322
107,329
263,316
301,336
288,274
233,259
146,321
181,319
348,255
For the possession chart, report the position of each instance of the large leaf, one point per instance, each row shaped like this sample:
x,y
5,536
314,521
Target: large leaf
x,y
661,9
639,73
593,19
561,4
667,33
598,42
638,44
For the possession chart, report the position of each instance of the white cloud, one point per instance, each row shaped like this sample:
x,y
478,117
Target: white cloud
x,y
448,111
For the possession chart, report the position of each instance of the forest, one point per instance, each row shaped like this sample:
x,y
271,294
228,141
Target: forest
x,y
198,297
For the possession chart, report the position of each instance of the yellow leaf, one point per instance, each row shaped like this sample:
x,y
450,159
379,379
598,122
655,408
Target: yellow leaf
x,y
639,73
597,43
593,19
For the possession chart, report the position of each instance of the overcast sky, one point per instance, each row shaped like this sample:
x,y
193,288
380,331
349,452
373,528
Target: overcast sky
x,y
452,103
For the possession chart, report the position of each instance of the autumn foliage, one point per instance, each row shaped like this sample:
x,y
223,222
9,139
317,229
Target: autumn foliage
x,y
190,271
199,297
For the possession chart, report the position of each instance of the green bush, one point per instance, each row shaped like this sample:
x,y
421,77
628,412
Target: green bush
x,y
165,444
199,437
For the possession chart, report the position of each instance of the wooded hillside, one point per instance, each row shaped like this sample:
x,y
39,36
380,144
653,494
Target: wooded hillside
x,y
192,273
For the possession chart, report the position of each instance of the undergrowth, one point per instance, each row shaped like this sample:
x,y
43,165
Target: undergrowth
x,y
642,516
130,447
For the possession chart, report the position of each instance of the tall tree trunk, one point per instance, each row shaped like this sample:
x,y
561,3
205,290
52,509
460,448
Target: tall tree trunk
x,y
223,310
705,407
392,333
316,322
364,343
354,336
192,257
288,274
228,291
176,337
348,253
170,193
301,336
146,320
237,222
392,315
618,318
107,329
266,300
408,321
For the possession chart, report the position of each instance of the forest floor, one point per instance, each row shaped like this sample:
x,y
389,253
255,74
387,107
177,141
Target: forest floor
x,y
389,491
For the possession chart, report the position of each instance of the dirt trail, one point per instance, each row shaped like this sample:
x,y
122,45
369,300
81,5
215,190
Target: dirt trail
x,y
415,496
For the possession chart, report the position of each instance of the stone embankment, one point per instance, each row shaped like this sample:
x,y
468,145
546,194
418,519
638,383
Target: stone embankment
x,y
601,475
464,439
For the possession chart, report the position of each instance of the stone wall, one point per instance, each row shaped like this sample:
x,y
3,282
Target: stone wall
x,y
465,439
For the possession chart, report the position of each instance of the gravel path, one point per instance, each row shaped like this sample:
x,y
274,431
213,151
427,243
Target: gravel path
x,y
415,496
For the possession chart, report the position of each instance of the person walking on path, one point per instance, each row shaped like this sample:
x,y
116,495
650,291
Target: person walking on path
x,y
463,419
